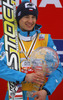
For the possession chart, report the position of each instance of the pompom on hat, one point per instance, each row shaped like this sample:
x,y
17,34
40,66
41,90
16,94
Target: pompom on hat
x,y
26,8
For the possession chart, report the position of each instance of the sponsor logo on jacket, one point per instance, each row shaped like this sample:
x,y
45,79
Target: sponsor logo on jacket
x,y
41,36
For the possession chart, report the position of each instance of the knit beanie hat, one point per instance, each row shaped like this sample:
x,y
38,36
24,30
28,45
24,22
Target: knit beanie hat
x,y
26,8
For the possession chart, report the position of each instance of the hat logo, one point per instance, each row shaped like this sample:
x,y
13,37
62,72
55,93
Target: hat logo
x,y
30,5
19,13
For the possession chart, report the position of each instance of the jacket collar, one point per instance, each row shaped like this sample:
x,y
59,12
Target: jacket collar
x,y
31,33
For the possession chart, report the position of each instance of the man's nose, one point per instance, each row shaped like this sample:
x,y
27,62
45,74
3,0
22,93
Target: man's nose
x,y
30,20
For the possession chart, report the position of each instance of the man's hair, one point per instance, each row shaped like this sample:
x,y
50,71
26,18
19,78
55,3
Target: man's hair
x,y
26,8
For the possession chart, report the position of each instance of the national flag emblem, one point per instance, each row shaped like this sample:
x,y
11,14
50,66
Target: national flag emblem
x,y
30,9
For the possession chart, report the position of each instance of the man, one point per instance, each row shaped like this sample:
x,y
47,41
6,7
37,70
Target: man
x,y
30,38
26,17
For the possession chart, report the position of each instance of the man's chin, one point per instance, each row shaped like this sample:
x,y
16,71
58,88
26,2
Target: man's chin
x,y
28,30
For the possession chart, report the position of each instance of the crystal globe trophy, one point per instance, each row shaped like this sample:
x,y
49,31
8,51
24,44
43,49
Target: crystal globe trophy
x,y
44,59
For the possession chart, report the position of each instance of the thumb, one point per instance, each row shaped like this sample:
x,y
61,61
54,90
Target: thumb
x,y
34,94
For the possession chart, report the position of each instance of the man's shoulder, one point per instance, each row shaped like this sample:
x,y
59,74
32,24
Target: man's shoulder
x,y
44,33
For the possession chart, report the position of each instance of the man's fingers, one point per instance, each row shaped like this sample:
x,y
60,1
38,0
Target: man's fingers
x,y
39,76
36,98
34,94
38,81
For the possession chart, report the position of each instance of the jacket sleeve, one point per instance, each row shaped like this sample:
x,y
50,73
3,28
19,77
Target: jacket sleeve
x,y
5,72
56,77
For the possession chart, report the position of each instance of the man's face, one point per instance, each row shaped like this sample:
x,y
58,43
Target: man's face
x,y
27,23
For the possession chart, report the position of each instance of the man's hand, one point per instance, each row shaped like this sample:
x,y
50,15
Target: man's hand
x,y
35,77
41,95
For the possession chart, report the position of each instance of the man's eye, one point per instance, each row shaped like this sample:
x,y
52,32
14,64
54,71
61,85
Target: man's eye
x,y
33,17
26,17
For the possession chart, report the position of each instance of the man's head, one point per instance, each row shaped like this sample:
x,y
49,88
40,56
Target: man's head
x,y
26,14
